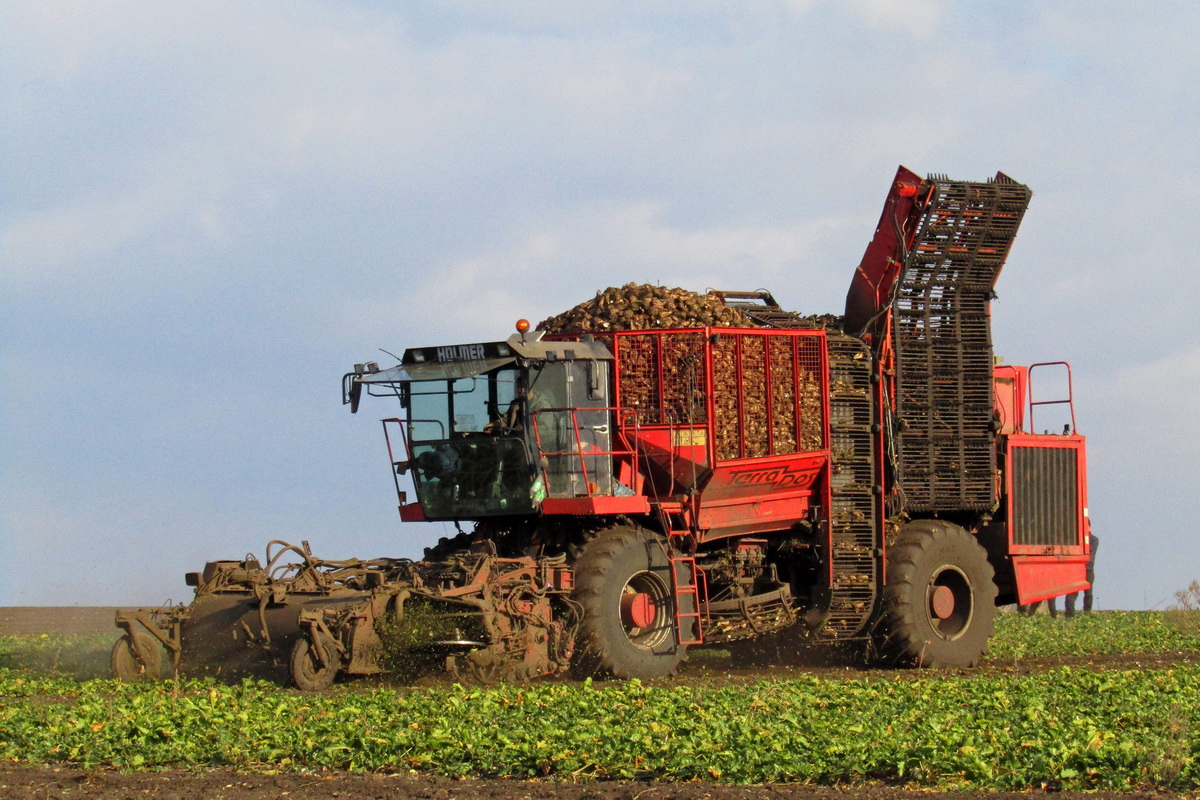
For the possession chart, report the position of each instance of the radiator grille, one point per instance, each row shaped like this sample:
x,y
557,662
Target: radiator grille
x,y
1045,499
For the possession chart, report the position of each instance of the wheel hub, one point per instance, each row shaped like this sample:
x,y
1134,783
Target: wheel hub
x,y
638,609
951,604
942,602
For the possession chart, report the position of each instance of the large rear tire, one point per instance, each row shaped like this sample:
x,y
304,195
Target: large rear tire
x,y
939,607
623,584
307,673
136,660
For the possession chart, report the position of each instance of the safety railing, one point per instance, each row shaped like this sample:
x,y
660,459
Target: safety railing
x,y
582,451
397,466
1069,400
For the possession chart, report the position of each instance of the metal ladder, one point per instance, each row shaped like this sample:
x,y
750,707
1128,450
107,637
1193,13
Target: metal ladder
x,y
687,588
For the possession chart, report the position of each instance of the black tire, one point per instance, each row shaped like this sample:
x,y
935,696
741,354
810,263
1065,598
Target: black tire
x,y
138,660
939,607
619,565
447,547
306,673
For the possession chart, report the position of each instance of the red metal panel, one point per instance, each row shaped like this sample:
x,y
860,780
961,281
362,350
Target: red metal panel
x,y
1010,383
751,479
871,286
412,512
1043,577
598,504
773,513
1042,571
678,452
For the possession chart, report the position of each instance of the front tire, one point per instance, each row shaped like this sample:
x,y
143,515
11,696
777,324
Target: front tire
x,y
307,673
623,584
939,606
136,660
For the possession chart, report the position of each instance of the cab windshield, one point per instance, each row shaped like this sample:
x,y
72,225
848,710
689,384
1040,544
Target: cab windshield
x,y
467,450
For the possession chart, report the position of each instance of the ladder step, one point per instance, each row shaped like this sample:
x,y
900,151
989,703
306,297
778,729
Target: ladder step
x,y
686,588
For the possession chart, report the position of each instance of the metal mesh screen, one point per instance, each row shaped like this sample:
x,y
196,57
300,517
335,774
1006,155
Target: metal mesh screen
x,y
810,397
662,376
783,395
637,360
768,395
766,387
725,398
683,369
754,396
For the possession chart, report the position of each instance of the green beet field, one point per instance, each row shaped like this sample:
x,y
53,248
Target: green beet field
x,y
1104,701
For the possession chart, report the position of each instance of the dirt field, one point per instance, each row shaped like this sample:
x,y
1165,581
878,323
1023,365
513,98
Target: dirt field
x,y
61,620
27,783
41,784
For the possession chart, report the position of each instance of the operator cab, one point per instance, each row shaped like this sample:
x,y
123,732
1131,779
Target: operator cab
x,y
494,428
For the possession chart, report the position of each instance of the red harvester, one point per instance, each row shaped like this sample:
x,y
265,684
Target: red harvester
x,y
873,477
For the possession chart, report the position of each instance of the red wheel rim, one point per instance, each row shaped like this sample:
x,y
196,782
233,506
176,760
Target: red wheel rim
x,y
942,602
638,609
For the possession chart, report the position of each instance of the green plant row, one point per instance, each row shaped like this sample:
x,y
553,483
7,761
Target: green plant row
x,y
1106,633
1065,729
1017,637
82,657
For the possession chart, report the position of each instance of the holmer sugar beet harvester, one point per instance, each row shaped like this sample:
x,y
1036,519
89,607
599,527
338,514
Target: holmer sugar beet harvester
x,y
657,469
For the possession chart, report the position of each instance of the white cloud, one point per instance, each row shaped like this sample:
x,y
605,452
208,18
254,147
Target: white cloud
x,y
641,238
554,268
314,98
1164,394
919,18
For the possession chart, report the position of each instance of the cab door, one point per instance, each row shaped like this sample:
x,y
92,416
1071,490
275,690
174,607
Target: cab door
x,y
569,405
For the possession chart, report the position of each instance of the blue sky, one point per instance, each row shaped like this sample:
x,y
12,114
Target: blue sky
x,y
208,212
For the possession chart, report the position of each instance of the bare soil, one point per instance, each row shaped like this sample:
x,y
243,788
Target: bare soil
x,y
59,620
30,783
21,782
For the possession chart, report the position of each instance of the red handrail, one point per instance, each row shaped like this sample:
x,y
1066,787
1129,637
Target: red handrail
x,y
578,451
1070,399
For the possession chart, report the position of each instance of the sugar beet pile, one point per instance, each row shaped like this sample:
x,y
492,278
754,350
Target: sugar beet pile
x,y
634,307
741,432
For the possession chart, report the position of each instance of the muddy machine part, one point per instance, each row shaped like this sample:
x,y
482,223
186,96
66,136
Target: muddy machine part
x,y
245,615
318,619
922,296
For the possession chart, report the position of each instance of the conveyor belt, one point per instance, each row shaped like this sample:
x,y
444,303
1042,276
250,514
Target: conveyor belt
x,y
855,524
942,338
